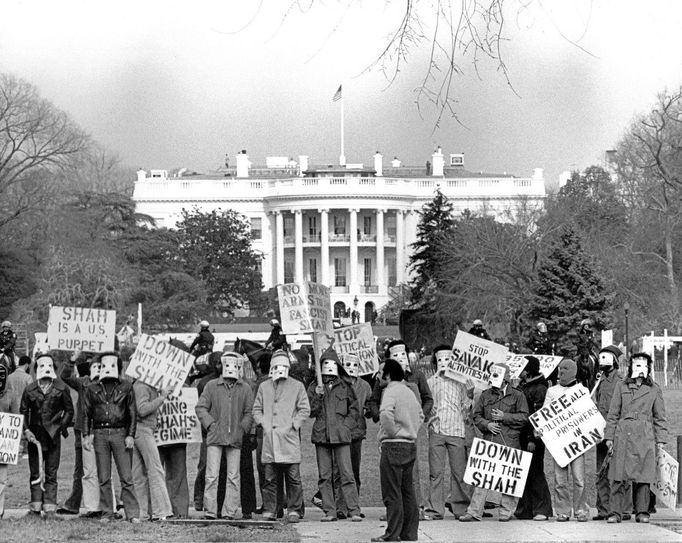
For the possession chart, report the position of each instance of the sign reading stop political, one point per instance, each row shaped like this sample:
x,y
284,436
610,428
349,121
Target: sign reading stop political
x,y
11,428
176,420
159,364
665,487
517,362
81,329
358,339
570,425
304,308
497,467
472,358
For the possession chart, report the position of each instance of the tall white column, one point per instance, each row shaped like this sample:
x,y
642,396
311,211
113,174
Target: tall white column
x,y
380,277
324,247
354,286
298,245
399,246
279,246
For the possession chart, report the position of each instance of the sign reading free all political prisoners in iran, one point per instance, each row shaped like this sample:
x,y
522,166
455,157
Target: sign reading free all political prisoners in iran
x,y
472,358
176,421
81,329
159,364
358,339
497,467
304,308
11,428
570,425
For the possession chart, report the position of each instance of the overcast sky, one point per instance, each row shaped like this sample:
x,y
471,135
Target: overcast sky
x,y
179,84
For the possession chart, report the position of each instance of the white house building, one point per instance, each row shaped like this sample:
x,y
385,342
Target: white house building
x,y
349,227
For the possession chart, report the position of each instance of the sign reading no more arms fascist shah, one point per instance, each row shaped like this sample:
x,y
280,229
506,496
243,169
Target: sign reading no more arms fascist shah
x,y
176,421
472,358
497,467
304,308
81,329
159,364
569,426
11,428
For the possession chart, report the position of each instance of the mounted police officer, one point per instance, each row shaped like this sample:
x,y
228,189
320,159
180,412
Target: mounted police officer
x,y
7,341
277,339
204,341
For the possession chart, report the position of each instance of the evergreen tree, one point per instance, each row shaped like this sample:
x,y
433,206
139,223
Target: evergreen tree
x,y
436,221
568,288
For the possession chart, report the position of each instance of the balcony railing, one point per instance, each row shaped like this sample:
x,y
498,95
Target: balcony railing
x,y
340,290
369,289
367,237
339,237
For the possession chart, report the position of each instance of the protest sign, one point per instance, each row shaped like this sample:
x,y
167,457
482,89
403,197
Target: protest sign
x,y
517,362
497,467
11,428
176,420
81,329
304,308
665,487
472,357
358,339
570,425
159,364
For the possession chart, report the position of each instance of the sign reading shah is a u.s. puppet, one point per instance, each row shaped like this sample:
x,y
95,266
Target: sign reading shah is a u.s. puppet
x,y
81,329
305,308
497,467
570,425
472,358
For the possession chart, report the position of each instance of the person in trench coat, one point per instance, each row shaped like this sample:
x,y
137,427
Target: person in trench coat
x,y
635,429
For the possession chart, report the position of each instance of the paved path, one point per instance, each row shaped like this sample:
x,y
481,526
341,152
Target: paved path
x,y
490,530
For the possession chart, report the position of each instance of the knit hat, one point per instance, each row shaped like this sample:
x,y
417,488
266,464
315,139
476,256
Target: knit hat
x,y
568,371
330,354
279,358
533,366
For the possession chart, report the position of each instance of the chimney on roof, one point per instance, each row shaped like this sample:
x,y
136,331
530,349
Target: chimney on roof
x,y
438,162
243,164
379,164
302,164
141,175
395,163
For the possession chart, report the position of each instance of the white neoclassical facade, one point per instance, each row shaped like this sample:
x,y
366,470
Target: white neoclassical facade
x,y
349,227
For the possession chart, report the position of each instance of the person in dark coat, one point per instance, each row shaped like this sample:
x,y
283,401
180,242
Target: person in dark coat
x,y
536,502
204,341
277,340
635,428
539,342
478,330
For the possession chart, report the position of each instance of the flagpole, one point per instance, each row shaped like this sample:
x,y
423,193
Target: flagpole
x,y
342,158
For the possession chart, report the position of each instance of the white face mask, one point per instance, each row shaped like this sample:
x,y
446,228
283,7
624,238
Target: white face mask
x,y
279,371
94,371
443,359
399,354
497,376
640,368
45,368
329,367
108,367
232,366
351,363
606,359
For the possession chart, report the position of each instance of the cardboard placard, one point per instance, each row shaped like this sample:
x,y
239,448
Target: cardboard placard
x,y
81,329
472,358
570,425
305,308
517,362
497,467
358,339
11,429
159,364
667,471
176,419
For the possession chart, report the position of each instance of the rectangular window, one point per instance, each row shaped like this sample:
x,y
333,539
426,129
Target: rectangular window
x,y
368,271
312,270
367,225
391,228
288,226
312,227
339,225
340,272
392,276
256,228
288,271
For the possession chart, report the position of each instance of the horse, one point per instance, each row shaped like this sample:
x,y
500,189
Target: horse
x,y
200,364
299,358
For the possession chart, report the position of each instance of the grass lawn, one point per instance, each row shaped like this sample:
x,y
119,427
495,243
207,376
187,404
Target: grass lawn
x,y
75,530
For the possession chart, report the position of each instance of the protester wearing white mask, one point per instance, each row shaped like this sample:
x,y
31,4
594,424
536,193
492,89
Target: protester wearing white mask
x,y
635,427
281,406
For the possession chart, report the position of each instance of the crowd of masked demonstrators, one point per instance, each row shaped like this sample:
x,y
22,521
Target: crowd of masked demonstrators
x,y
114,421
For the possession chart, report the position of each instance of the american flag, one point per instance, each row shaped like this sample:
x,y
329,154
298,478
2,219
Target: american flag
x,y
337,94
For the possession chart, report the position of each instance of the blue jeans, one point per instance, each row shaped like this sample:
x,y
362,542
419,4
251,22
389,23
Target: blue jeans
x,y
73,502
327,457
271,489
108,442
46,499
149,477
397,490
174,460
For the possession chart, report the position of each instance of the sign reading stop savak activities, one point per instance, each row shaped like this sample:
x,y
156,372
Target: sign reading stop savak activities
x,y
358,339
81,329
517,362
472,358
304,308
176,420
497,467
11,428
665,487
159,364
570,425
